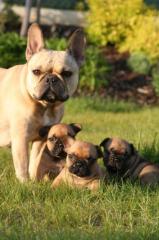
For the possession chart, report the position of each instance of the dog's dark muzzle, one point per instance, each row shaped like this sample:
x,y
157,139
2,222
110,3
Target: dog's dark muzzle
x,y
56,91
115,161
80,168
58,149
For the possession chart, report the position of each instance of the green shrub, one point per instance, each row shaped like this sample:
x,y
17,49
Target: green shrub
x,y
12,50
139,63
155,78
56,44
93,72
130,25
8,19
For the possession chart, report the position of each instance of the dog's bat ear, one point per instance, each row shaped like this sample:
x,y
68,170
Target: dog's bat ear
x,y
43,132
76,127
104,142
35,41
76,46
99,151
132,149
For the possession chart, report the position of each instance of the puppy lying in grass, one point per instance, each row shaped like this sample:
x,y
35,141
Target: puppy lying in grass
x,y
52,156
122,160
81,169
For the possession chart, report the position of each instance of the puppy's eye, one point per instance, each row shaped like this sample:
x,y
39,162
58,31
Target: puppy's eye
x,y
126,154
66,73
51,139
36,72
70,156
91,159
112,149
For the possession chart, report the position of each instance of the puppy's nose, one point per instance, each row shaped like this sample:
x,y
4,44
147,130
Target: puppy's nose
x,y
65,97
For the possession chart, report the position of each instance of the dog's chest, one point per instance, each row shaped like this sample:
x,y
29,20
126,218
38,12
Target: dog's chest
x,y
48,119
52,116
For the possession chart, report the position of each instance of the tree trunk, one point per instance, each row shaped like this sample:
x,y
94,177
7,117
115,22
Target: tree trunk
x,y
25,23
1,5
38,5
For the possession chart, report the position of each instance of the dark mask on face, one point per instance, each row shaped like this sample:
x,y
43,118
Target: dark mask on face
x,y
114,161
80,167
57,89
58,150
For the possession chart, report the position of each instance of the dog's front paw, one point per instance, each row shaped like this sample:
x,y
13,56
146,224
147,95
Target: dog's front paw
x,y
22,178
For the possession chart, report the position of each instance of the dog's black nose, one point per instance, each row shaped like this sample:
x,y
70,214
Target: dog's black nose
x,y
51,78
65,97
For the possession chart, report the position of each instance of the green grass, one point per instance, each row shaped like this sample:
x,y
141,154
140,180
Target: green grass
x,y
125,211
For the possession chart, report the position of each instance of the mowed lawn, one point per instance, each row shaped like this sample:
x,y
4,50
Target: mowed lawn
x,y
116,211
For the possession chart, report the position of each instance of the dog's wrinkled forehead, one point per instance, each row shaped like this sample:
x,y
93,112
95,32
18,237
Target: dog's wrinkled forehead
x,y
83,150
60,130
120,146
57,61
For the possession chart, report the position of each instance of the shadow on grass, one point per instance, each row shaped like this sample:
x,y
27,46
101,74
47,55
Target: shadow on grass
x,y
101,105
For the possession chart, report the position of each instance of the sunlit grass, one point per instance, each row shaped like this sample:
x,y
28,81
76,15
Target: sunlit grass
x,y
125,211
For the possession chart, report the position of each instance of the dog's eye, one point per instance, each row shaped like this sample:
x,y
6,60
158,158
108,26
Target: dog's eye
x,y
112,149
126,154
66,73
51,139
37,72
91,159
70,156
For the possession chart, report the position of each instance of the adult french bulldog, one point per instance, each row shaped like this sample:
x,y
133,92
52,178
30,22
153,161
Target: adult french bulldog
x,y
32,95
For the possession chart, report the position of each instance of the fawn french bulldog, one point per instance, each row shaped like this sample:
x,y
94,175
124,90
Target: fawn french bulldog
x,y
122,160
32,95
81,169
52,156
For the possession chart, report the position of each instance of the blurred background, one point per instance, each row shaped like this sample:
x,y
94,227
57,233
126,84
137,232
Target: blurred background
x,y
122,56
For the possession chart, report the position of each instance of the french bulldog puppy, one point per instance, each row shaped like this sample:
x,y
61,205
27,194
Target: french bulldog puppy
x,y
122,160
32,95
81,169
52,156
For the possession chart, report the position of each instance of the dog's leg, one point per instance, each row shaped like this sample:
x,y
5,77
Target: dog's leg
x,y
35,157
20,157
94,185
58,180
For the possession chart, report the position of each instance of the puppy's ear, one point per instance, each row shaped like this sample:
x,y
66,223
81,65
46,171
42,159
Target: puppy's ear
x,y
132,149
35,41
99,151
104,142
76,47
76,127
43,132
